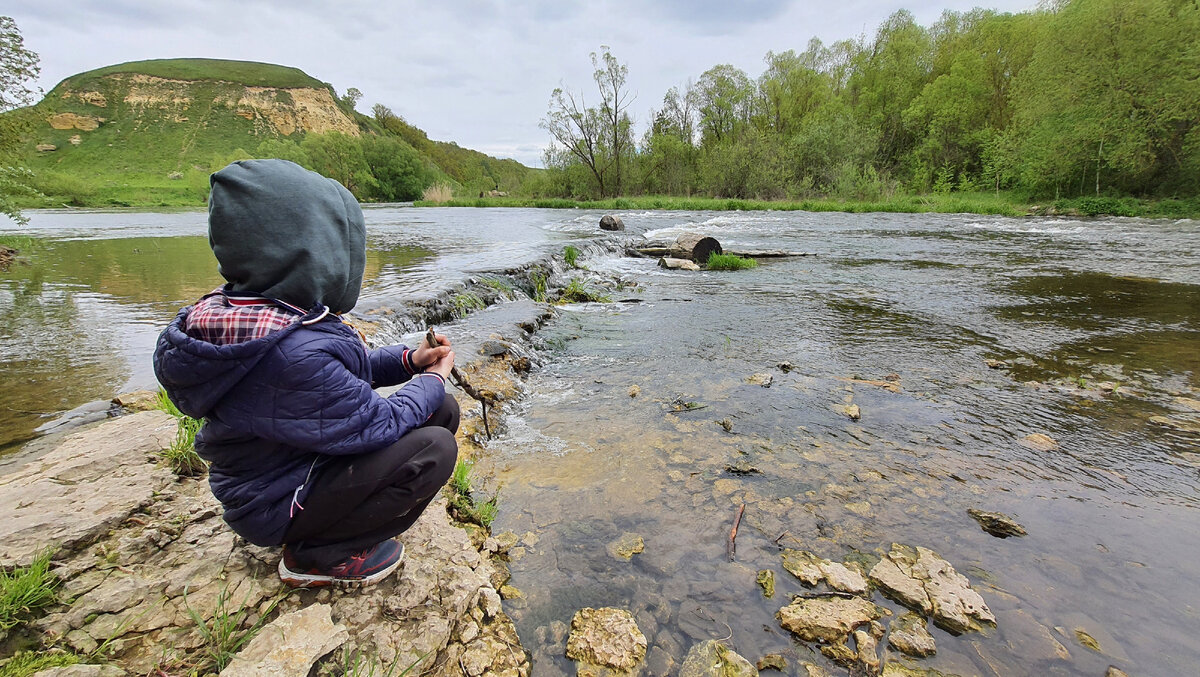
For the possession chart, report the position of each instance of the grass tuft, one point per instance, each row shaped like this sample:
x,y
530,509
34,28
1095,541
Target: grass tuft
x,y
226,632
24,591
438,193
26,663
577,292
463,505
181,456
571,255
465,302
729,262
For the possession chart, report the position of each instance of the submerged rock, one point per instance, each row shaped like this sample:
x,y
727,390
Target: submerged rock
x,y
921,580
760,379
812,570
996,523
766,581
772,661
909,635
625,547
714,659
828,619
1039,442
607,638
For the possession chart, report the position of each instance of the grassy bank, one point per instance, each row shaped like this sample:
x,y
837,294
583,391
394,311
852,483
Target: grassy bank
x,y
1004,204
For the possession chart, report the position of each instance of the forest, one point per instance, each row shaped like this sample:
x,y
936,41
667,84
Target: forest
x,y
1094,98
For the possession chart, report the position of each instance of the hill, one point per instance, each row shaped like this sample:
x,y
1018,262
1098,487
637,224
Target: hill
x,y
148,133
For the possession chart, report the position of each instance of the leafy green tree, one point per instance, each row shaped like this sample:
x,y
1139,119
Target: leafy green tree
x,y
724,98
283,149
18,66
340,157
396,167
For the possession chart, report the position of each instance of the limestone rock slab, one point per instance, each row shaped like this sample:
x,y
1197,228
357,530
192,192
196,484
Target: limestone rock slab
x,y
606,637
85,486
289,645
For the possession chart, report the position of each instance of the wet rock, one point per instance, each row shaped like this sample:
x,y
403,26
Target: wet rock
x,y
812,570
495,348
868,650
839,653
1188,424
760,379
659,662
726,424
897,669
996,364
84,414
1087,640
923,581
289,645
1040,442
677,264
742,467
910,636
814,670
1114,671
505,541
785,367
766,581
138,400
851,411
714,659
510,592
1189,403
611,222
772,661
90,483
1031,640
828,619
625,547
634,391
996,523
606,637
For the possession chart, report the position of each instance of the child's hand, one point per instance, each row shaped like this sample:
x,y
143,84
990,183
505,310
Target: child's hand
x,y
425,356
444,365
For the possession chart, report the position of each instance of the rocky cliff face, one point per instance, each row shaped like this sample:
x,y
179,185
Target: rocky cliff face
x,y
146,100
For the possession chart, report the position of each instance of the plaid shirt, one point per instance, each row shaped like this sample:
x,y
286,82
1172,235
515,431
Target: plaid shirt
x,y
224,318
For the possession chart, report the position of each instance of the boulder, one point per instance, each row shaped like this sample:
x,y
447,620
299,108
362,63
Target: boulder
x,y
714,659
610,222
606,638
289,645
812,570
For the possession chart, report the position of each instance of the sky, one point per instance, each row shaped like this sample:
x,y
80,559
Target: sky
x,y
476,72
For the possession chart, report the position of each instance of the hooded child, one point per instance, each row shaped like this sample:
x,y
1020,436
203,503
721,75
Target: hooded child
x,y
302,451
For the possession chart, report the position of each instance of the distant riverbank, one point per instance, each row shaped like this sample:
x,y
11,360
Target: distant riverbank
x,y
1000,204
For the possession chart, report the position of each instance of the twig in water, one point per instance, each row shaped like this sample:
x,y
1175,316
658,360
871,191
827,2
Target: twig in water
x,y
733,532
461,382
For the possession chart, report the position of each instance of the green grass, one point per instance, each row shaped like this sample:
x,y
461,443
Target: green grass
x,y
27,663
465,302
499,284
181,456
253,73
25,591
359,664
729,262
570,255
460,479
225,633
462,504
577,292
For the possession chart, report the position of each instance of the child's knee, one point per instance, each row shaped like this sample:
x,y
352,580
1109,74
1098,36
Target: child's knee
x,y
443,448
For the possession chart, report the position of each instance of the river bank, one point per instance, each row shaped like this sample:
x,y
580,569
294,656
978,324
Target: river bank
x,y
985,203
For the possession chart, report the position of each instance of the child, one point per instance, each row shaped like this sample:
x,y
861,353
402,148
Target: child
x,y
302,451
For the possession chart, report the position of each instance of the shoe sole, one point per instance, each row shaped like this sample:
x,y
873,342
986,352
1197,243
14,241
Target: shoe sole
x,y
295,579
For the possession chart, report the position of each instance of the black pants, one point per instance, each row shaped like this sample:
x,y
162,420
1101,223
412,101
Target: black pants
x,y
359,501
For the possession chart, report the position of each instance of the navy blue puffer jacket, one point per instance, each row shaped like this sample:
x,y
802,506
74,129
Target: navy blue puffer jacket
x,y
273,407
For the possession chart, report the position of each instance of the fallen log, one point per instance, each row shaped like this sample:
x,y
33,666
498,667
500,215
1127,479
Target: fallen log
x,y
764,253
696,247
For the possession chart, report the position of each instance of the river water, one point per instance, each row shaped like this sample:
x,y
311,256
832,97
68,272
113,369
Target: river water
x,y
1096,324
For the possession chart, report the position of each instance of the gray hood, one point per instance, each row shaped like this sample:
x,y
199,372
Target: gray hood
x,y
282,231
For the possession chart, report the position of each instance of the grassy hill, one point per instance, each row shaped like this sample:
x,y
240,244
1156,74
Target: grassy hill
x,y
149,133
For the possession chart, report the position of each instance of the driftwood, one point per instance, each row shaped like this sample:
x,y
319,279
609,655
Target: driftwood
x,y
462,382
733,532
764,253
697,247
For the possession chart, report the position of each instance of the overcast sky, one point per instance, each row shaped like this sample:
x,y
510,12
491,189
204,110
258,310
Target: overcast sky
x,y
475,72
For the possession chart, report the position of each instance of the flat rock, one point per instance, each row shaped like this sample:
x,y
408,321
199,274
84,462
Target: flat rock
x,y
1040,442
812,570
138,400
82,670
606,637
910,636
828,619
997,523
714,659
923,581
625,547
761,379
90,483
289,645
671,263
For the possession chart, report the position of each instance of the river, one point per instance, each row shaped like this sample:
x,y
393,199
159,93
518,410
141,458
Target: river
x,y
1093,327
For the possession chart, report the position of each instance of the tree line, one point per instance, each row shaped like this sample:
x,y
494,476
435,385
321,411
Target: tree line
x,y
1076,98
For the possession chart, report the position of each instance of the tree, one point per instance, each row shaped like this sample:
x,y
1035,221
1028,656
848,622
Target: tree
x,y
18,66
351,98
399,174
723,98
597,137
340,157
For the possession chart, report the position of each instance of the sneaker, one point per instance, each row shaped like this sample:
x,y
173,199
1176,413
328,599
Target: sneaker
x,y
365,568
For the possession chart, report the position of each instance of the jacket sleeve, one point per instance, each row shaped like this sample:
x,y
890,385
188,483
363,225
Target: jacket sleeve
x,y
391,365
320,404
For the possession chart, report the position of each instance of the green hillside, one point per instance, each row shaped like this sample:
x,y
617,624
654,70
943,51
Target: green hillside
x,y
149,133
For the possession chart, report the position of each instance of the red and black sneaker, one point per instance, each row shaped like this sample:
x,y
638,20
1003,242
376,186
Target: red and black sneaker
x,y
366,568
